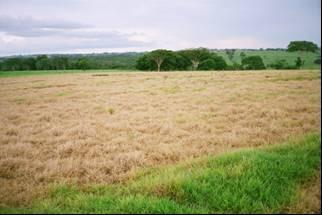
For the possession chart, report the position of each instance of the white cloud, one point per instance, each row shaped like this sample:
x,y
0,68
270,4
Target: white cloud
x,y
33,26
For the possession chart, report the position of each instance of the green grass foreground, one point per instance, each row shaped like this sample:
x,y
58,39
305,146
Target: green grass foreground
x,y
261,180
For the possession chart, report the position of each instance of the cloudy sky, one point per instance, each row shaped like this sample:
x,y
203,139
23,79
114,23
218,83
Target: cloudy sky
x,y
87,26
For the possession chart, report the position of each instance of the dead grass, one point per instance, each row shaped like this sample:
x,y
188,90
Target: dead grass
x,y
308,198
49,136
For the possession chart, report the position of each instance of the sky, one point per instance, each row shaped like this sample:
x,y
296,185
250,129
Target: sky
x,y
95,26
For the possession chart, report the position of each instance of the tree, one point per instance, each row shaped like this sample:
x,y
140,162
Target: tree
x,y
215,62
42,62
253,63
318,60
196,56
208,64
158,56
220,63
182,63
144,63
59,63
83,64
302,47
11,64
299,62
28,63
279,64
159,60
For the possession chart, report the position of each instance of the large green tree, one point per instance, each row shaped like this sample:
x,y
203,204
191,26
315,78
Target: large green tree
x,y
302,47
158,56
83,64
253,63
196,56
215,62
59,63
160,59
42,62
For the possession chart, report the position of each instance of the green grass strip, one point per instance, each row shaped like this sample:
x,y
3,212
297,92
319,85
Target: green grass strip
x,y
248,181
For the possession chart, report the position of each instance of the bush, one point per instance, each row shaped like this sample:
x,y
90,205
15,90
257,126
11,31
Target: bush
x,y
208,64
171,61
214,63
281,64
253,63
145,64
318,61
220,63
299,62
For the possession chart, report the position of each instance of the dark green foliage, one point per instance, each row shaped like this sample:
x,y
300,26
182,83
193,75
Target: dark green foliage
x,y
42,63
200,58
18,63
281,64
235,66
182,63
305,46
195,56
62,62
189,59
59,63
171,61
82,64
299,62
144,63
301,46
208,64
253,63
318,60
28,63
166,59
215,62
220,63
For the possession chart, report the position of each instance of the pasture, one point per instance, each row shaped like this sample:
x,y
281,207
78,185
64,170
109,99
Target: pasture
x,y
103,128
270,57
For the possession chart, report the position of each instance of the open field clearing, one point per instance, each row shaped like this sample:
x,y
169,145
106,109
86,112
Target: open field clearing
x,y
263,180
104,127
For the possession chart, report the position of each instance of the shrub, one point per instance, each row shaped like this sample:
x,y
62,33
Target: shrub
x,y
253,63
208,64
318,61
214,63
235,66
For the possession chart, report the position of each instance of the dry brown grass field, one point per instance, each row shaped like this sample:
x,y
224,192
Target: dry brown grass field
x,y
88,128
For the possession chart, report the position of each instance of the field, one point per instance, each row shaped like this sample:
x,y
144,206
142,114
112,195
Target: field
x,y
99,128
270,57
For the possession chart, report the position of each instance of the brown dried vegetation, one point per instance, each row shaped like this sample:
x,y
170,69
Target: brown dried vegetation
x,y
98,129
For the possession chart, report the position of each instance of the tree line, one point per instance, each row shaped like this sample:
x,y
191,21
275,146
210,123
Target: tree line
x,y
194,59
159,60
125,61
204,59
